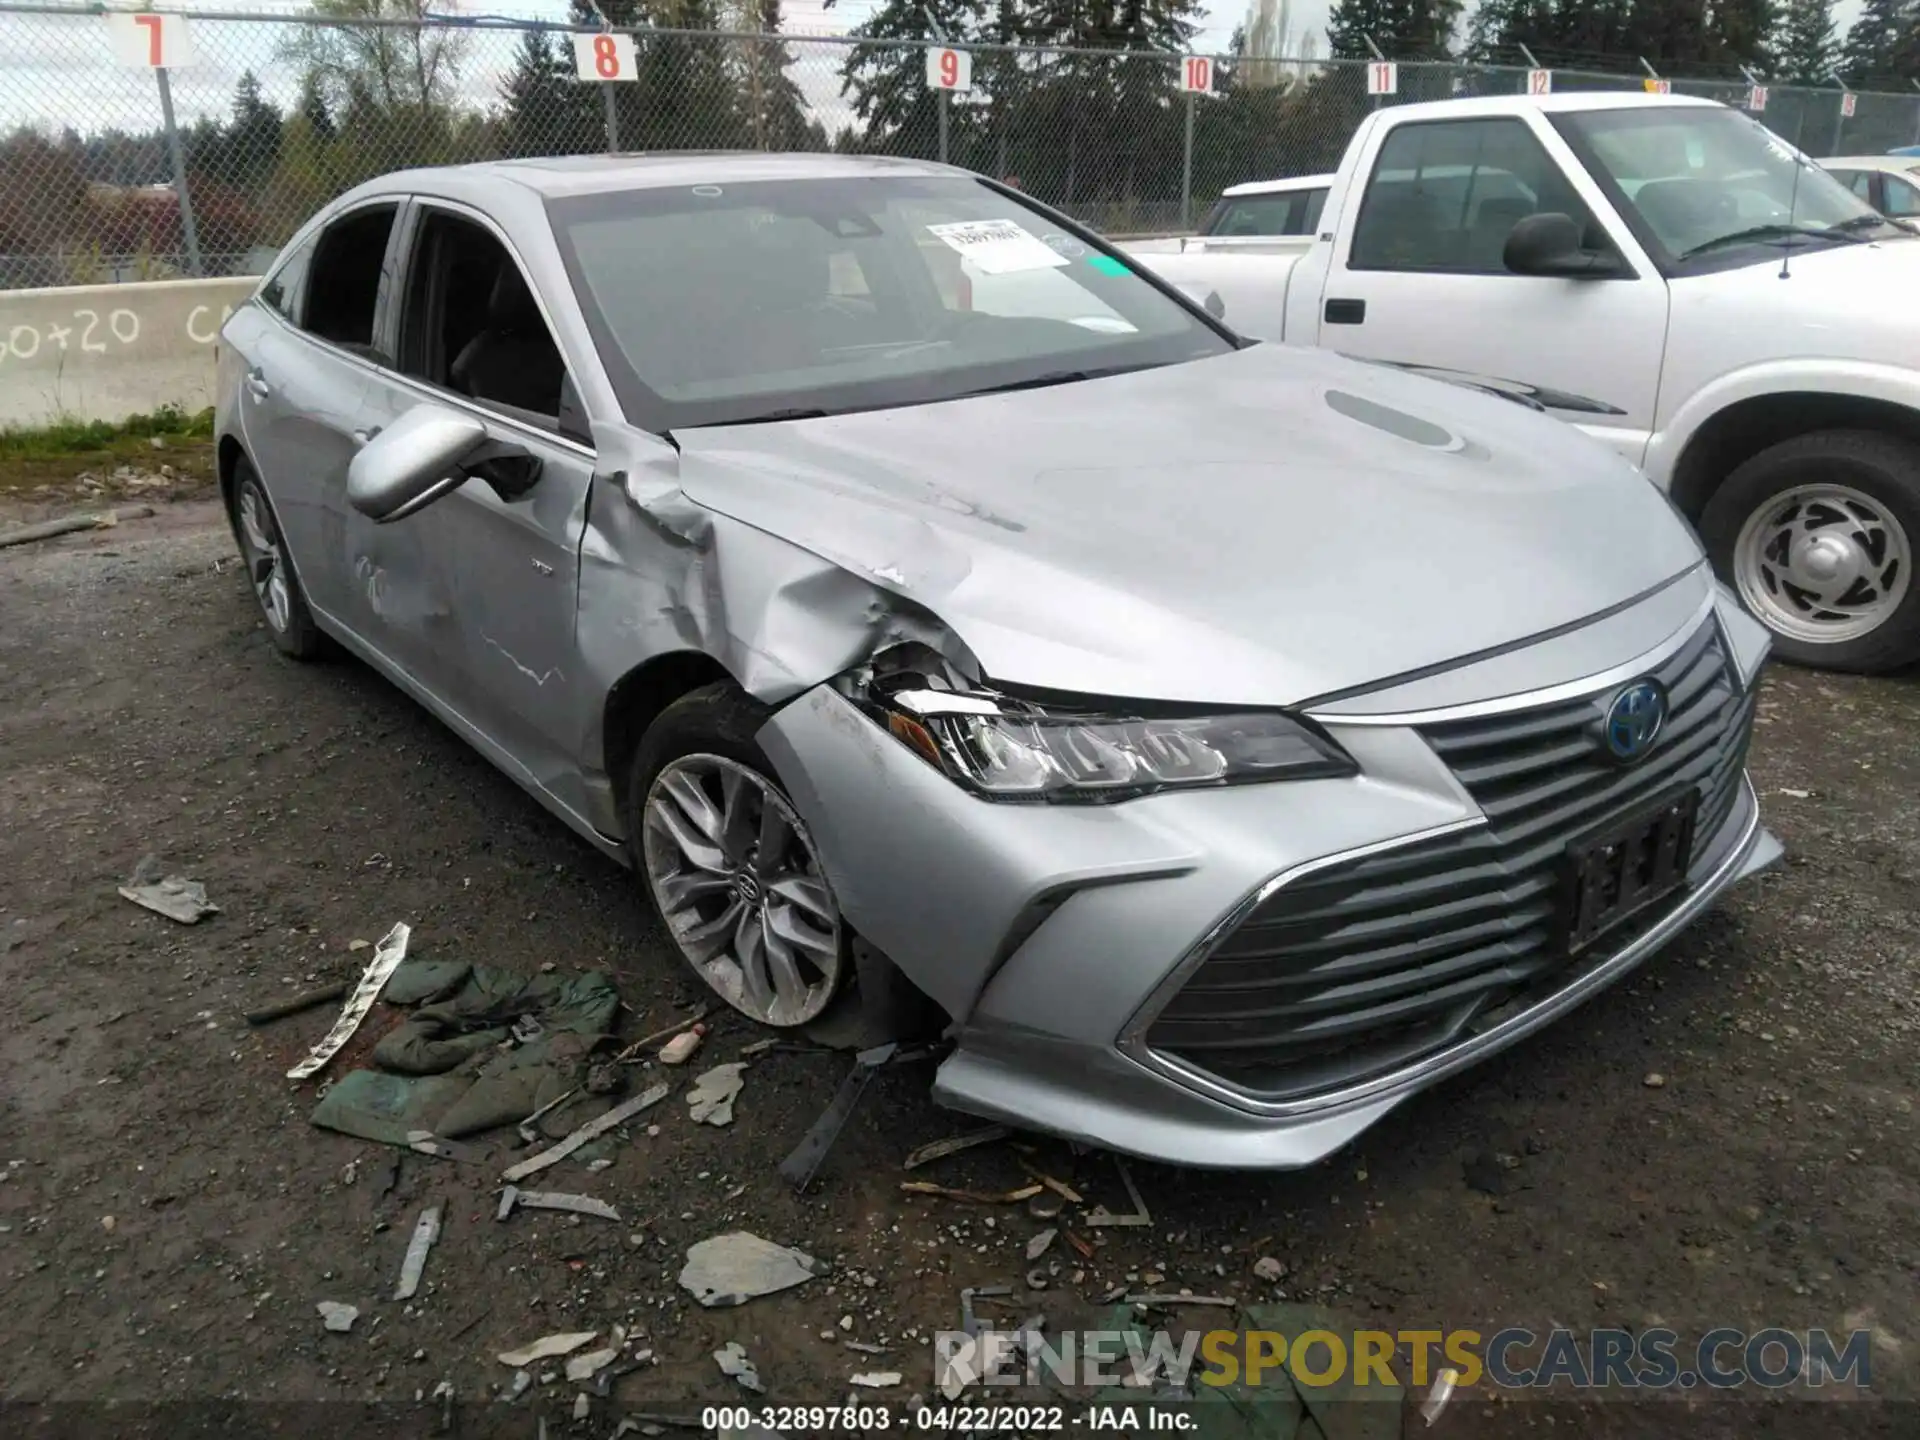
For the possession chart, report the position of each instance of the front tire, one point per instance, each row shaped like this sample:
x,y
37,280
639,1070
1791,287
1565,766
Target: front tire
x,y
1818,535
263,550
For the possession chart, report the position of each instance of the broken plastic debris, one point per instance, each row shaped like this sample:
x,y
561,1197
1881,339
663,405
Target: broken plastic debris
x,y
425,1232
954,1144
546,1348
386,959
1037,1246
337,1317
584,1367
522,1382
680,1048
512,1198
737,1267
1437,1398
710,1101
582,1406
1268,1268
1103,1216
733,1362
173,896
876,1379
979,1197
620,1114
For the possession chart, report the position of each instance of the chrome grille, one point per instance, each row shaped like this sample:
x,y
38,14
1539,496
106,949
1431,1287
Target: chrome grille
x,y
1353,970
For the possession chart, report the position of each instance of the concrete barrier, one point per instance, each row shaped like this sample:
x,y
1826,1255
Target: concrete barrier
x,y
104,352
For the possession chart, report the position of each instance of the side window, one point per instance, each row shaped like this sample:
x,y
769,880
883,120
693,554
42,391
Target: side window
x,y
1259,215
1858,181
470,323
1903,199
1445,195
343,280
1310,215
280,291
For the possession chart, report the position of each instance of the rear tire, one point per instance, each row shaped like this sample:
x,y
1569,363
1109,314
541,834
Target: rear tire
x,y
263,551
1818,536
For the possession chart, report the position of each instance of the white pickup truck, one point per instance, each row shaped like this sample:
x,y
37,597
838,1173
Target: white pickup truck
x,y
1674,279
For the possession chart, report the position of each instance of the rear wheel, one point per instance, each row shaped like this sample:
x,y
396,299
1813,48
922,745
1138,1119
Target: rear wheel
x,y
1818,535
264,552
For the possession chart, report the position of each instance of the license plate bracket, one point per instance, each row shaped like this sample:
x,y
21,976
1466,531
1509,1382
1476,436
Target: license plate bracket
x,y
1622,868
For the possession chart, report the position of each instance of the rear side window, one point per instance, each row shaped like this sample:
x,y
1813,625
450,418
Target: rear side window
x,y
343,280
1294,212
1902,198
1858,181
1445,195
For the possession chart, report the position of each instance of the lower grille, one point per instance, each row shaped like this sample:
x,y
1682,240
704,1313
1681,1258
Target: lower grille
x,y
1352,971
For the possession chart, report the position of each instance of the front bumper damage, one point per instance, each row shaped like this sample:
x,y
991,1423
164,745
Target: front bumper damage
x,y
1056,936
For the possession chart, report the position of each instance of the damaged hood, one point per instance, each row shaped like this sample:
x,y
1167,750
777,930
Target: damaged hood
x,y
1265,527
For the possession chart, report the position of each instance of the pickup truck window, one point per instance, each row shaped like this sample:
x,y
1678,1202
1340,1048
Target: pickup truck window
x,y
1292,212
1902,198
1713,185
1445,194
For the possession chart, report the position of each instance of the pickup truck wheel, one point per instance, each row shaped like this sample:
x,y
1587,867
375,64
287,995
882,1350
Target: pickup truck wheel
x,y
1817,535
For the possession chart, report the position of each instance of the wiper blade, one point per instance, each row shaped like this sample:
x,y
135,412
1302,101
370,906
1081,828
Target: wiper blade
x,y
1860,222
768,417
1770,232
1055,377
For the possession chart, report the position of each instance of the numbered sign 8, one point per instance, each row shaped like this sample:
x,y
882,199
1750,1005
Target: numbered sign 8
x,y
149,42
1846,105
949,70
1539,82
1383,78
604,57
1196,74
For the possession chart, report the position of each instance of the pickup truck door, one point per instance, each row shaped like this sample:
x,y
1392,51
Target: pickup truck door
x,y
1415,272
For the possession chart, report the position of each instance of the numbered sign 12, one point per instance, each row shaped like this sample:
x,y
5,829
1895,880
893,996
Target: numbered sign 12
x,y
1196,74
1846,105
1383,78
604,57
149,42
1539,82
949,70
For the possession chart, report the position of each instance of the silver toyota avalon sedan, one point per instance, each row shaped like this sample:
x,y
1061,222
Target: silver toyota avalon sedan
x,y
941,616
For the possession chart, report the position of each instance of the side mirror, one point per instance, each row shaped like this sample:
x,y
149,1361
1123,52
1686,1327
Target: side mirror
x,y
412,463
1205,296
1550,244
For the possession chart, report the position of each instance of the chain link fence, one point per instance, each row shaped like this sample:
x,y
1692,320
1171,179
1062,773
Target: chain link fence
x,y
112,169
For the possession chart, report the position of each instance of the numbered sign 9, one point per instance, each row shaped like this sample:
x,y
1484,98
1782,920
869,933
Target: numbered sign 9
x,y
149,42
604,57
1383,78
1846,105
1539,82
1757,99
1196,74
949,70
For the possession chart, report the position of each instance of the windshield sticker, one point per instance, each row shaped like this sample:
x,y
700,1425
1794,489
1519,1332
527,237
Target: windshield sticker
x,y
1107,265
997,247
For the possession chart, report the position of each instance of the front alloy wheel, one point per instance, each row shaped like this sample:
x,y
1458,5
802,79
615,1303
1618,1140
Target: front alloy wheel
x,y
740,887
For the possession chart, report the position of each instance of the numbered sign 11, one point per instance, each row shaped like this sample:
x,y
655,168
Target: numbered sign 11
x,y
1196,74
604,57
1383,78
949,70
1757,99
1539,82
149,42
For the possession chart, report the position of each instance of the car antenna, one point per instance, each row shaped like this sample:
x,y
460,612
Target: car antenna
x,y
1793,205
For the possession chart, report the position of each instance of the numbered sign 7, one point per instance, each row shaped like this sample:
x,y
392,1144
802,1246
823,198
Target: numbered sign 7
x,y
604,57
1196,74
149,42
949,70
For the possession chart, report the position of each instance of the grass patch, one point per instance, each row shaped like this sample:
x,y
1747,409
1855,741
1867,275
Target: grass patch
x,y
59,452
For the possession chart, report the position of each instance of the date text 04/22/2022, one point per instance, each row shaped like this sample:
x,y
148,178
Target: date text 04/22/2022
x,y
947,1419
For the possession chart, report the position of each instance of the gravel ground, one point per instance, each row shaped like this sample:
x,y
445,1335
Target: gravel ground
x,y
1727,1139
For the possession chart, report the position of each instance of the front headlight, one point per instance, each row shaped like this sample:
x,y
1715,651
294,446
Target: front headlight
x,y
1005,748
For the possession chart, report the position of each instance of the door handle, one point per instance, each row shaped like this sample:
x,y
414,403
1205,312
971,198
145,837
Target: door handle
x,y
363,437
257,384
1346,312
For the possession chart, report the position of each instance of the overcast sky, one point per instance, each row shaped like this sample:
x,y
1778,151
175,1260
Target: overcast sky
x,y
60,70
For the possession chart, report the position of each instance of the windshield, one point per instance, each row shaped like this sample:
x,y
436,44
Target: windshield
x,y
716,304
1696,177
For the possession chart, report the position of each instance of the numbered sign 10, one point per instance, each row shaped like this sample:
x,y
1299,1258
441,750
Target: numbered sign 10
x,y
950,70
604,57
1196,74
1383,78
1539,82
149,42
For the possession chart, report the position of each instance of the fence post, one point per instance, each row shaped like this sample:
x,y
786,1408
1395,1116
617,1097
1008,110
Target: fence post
x,y
613,117
1916,111
188,230
1186,170
944,101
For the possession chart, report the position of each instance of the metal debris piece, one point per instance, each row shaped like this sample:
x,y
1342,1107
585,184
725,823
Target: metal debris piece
x,y
546,1347
443,1392
1059,1187
734,1268
294,1004
1036,1278
680,1048
582,1406
1083,1248
954,1144
1437,1397
979,1197
173,896
876,1379
1046,1206
581,1368
710,1101
337,1317
386,959
425,1231
758,1047
799,1168
970,1321
1147,1297
522,1382
527,1132
733,1362
865,1349
512,1198
1100,1215
1037,1246
603,1382
619,1115
425,1142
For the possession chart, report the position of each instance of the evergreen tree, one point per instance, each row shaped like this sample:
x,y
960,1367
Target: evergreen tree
x,y
1740,33
549,112
253,139
316,112
683,97
887,83
1403,29
1881,46
1805,44
775,110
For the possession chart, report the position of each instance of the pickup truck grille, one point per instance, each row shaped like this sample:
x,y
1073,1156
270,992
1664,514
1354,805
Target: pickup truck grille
x,y
1357,969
